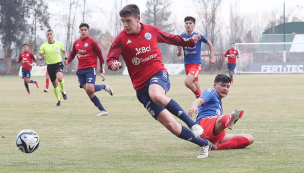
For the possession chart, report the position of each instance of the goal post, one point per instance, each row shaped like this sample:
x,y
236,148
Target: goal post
x,y
276,57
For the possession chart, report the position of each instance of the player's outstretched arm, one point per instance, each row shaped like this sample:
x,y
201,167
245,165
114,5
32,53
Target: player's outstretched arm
x,y
212,59
115,51
195,105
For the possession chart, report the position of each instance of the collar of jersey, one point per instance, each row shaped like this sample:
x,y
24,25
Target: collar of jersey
x,y
85,38
142,28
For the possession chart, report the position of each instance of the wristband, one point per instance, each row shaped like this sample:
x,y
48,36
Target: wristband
x,y
65,58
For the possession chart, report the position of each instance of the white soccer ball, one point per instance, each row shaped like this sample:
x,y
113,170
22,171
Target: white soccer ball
x,y
27,141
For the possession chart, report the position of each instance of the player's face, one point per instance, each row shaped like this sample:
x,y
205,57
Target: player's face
x,y
221,89
232,46
50,35
189,25
25,48
84,32
130,24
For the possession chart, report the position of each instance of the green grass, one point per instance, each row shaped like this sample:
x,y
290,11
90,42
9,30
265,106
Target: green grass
x,y
130,140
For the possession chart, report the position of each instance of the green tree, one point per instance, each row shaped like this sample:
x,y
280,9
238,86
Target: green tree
x,y
14,27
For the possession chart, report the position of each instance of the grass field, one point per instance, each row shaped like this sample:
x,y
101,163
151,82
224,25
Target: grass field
x,y
130,140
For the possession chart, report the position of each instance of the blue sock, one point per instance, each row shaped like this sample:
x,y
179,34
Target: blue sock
x,y
27,88
231,76
99,87
176,110
97,103
186,134
33,81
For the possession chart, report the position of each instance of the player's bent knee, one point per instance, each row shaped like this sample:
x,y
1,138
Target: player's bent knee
x,y
157,98
173,128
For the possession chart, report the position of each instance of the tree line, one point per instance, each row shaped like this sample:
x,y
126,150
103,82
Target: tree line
x,y
20,20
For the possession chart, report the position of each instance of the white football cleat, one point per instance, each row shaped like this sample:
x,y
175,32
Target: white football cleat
x,y
203,152
108,88
102,113
197,130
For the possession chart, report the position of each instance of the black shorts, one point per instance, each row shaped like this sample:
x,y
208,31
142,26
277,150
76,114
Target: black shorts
x,y
53,69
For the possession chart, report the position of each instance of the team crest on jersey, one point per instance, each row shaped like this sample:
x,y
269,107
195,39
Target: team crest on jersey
x,y
77,45
86,45
57,49
148,36
26,54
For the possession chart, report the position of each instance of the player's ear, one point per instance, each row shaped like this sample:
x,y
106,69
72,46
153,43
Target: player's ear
x,y
138,18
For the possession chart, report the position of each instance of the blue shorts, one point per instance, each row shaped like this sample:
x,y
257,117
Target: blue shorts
x,y
87,75
161,78
231,66
26,73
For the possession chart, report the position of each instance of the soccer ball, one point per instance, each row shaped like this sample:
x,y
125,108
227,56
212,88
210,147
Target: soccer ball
x,y
27,141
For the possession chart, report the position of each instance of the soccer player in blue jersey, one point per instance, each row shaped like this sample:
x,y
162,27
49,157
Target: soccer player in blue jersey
x,y
209,110
192,56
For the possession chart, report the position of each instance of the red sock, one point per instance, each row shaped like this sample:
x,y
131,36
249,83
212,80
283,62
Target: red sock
x,y
197,93
224,120
47,83
234,143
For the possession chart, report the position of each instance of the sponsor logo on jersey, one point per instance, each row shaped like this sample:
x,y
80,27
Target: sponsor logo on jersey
x,y
57,49
77,45
137,61
82,51
86,45
148,35
24,59
129,41
143,50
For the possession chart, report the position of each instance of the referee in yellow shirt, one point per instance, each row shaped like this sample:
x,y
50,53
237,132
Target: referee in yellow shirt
x,y
50,50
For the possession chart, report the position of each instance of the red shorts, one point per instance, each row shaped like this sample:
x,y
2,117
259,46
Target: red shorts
x,y
193,69
208,125
46,73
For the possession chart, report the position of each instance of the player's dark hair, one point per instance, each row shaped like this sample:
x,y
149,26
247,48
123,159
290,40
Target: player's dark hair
x,y
84,24
49,30
222,78
130,10
232,43
24,44
189,18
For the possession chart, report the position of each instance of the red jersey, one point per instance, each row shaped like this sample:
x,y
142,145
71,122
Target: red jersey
x,y
141,53
233,53
27,59
87,50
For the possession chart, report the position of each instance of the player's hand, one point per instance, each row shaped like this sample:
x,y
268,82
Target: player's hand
x,y
102,76
212,60
66,62
116,65
41,57
196,38
192,111
179,48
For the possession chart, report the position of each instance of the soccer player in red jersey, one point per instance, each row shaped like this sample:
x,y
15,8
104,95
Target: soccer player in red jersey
x,y
28,60
86,49
47,79
210,116
138,45
232,54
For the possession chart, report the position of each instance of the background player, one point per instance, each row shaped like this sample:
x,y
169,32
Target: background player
x,y
232,54
47,80
210,110
192,56
87,50
51,51
28,60
138,45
